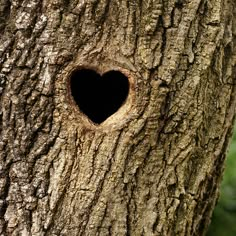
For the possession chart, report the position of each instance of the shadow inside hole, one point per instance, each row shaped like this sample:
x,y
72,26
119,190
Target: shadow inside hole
x,y
98,97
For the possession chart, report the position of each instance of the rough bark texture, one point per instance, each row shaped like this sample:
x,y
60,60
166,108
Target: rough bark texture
x,y
154,167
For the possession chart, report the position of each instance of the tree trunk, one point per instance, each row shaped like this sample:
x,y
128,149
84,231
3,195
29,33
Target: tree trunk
x,y
151,168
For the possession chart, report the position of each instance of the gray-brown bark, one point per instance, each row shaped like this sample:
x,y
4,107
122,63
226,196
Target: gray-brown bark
x,y
154,167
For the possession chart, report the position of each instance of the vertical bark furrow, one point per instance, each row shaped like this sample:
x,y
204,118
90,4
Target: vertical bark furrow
x,y
4,13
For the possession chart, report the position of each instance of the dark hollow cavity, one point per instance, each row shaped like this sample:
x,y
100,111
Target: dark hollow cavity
x,y
98,97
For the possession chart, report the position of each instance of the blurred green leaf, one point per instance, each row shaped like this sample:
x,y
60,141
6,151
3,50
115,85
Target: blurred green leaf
x,y
224,216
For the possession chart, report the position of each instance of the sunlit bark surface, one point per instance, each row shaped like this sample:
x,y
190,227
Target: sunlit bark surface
x,y
153,167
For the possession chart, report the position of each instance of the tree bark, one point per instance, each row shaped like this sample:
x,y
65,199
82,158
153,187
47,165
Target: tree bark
x,y
153,167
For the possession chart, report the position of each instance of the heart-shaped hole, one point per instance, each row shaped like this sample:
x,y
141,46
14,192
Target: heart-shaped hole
x,y
98,97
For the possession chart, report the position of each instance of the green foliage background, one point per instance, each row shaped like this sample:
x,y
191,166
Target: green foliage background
x,y
224,216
